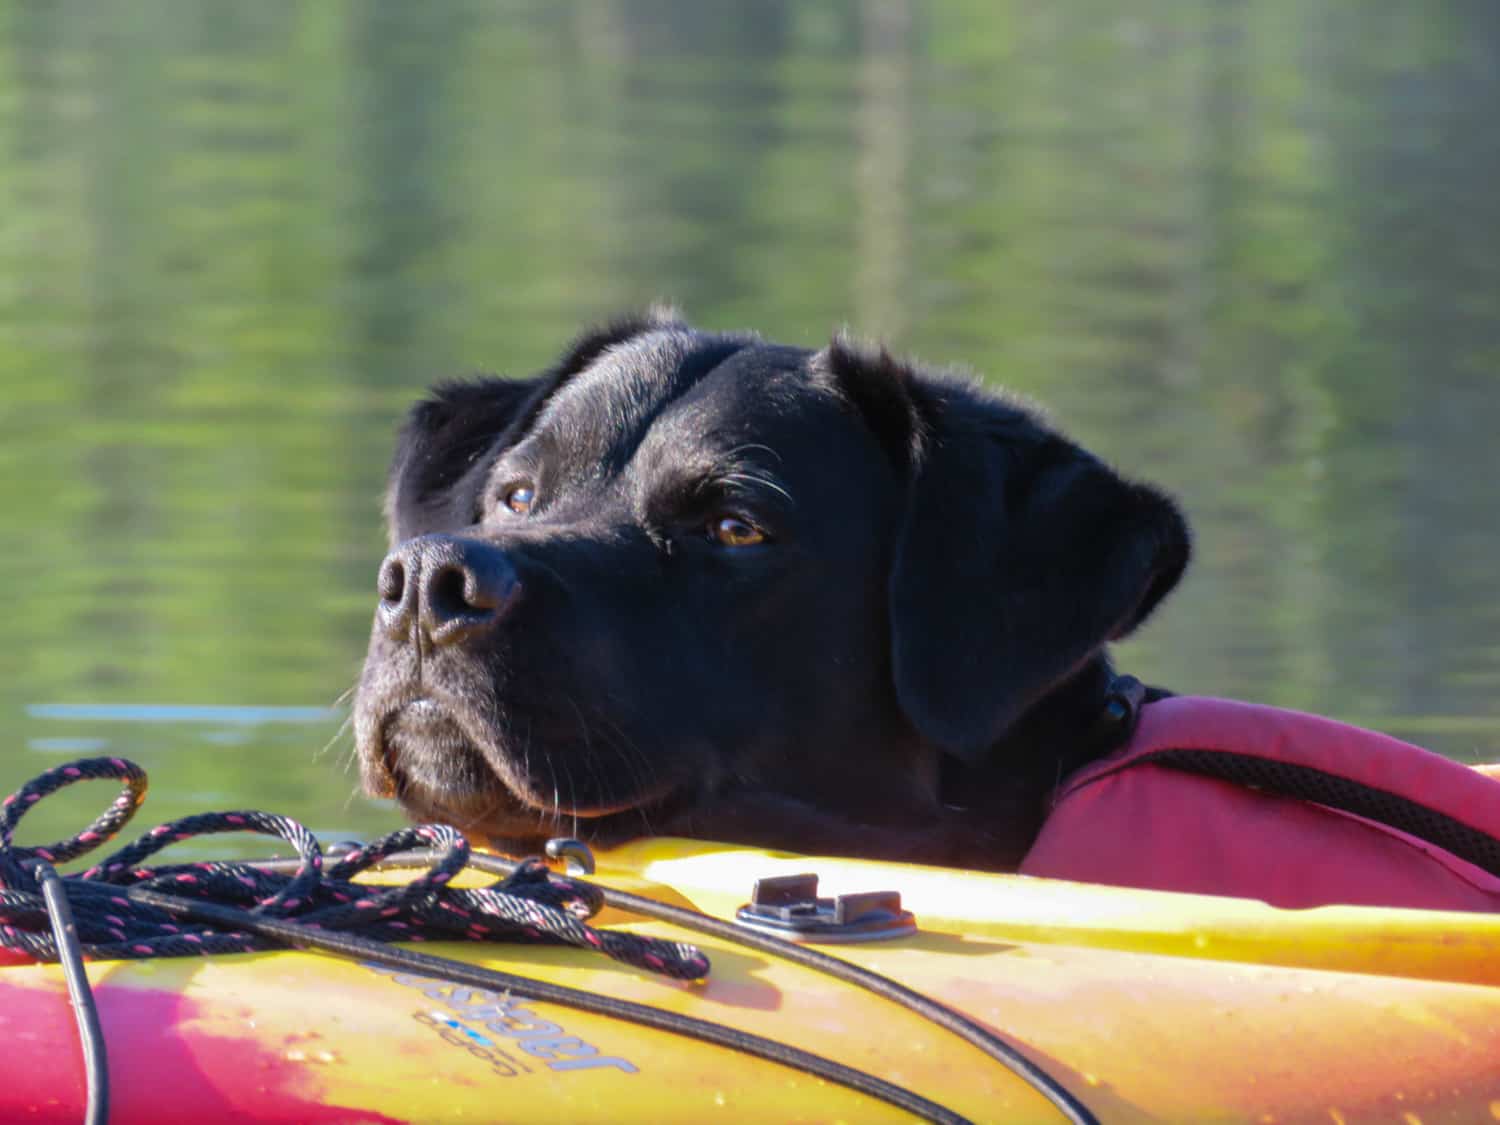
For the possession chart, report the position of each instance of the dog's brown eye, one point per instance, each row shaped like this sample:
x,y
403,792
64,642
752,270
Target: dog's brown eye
x,y
729,531
520,498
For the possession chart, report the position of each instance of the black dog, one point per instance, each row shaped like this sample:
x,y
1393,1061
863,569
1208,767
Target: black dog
x,y
695,584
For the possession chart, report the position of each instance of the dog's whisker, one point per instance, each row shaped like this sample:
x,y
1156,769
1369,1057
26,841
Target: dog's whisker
x,y
754,480
588,757
754,447
572,809
641,771
635,755
551,571
344,728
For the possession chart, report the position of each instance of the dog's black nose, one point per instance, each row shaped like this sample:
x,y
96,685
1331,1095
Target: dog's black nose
x,y
450,589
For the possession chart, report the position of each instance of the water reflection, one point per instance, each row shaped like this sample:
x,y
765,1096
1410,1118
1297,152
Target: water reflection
x,y
1250,251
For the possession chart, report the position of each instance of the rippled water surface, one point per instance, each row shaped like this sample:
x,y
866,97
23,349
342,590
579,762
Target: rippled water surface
x,y
1250,251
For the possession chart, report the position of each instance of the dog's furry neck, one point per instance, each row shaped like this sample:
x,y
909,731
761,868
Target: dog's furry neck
x,y
1012,786
1061,730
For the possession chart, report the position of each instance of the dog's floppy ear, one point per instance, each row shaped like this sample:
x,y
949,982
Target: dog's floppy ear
x,y
445,435
1021,555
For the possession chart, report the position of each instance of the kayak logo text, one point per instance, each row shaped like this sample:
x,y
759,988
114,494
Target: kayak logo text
x,y
505,1025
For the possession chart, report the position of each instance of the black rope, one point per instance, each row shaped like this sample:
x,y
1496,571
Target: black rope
x,y
528,904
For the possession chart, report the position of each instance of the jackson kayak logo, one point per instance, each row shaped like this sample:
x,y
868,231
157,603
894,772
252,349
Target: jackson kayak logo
x,y
510,1037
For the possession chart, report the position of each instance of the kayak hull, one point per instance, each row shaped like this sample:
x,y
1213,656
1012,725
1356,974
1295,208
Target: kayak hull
x,y
1148,1006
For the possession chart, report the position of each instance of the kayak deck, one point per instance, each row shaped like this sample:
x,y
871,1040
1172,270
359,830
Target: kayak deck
x,y
1147,1006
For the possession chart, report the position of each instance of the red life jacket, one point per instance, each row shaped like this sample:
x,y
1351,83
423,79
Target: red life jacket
x,y
1217,797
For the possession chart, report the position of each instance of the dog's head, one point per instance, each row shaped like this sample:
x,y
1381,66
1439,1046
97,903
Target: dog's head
x,y
678,566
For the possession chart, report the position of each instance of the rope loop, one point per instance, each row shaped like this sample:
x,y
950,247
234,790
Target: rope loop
x,y
105,825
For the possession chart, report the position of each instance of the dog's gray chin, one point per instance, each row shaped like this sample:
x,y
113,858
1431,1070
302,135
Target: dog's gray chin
x,y
421,753
423,738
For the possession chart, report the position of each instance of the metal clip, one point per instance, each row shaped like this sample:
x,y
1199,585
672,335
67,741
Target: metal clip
x,y
575,854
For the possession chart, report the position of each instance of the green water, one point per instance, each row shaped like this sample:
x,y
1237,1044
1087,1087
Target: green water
x,y
1250,251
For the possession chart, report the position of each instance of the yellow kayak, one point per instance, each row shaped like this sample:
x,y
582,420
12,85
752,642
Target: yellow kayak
x,y
1146,1006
